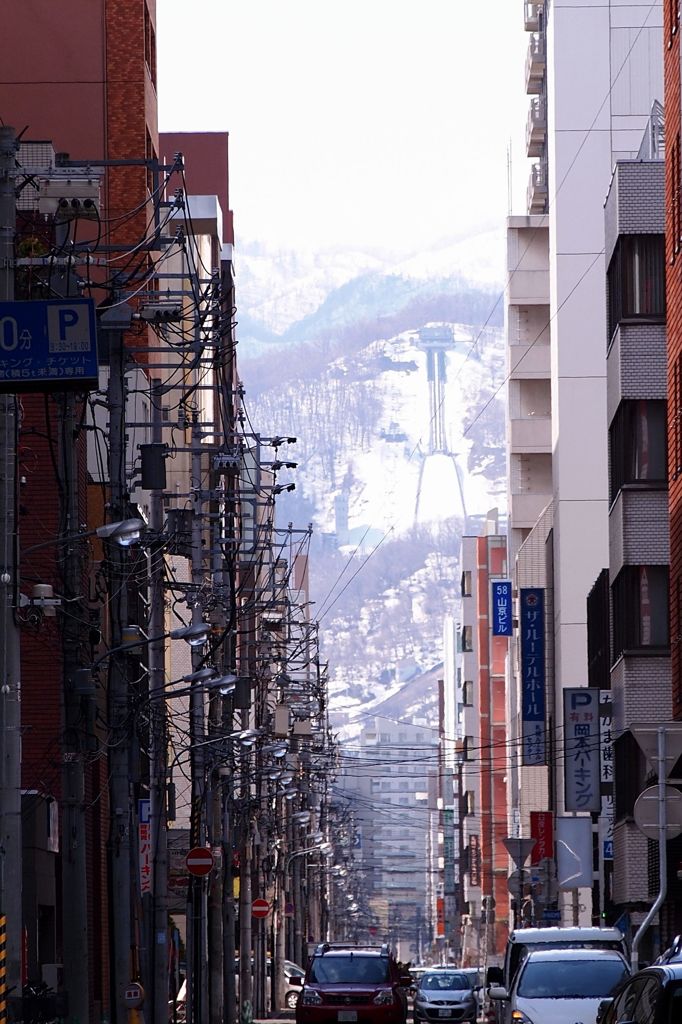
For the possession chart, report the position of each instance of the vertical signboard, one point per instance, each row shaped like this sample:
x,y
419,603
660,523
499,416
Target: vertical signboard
x,y
542,831
581,749
145,846
532,637
574,854
449,884
474,861
501,602
606,817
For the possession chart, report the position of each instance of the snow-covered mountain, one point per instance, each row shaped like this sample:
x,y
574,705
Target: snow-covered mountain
x,y
393,468
286,296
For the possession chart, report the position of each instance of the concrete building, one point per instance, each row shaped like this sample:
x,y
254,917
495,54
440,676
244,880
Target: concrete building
x,y
483,751
638,515
391,785
593,73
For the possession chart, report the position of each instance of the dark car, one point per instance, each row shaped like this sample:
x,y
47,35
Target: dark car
x,y
652,996
351,984
445,995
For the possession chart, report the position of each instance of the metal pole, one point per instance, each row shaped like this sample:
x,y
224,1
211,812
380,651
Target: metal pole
x,y
197,768
215,883
74,859
10,662
229,943
119,755
662,851
158,952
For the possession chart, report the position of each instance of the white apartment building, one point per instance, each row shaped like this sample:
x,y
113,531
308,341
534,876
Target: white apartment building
x,y
593,72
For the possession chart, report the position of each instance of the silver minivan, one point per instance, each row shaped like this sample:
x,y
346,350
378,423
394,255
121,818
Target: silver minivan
x,y
561,985
523,941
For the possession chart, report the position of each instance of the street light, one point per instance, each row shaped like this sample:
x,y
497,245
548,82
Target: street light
x,y
195,635
124,532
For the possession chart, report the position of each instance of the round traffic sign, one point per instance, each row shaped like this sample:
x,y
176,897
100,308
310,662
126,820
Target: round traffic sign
x,y
260,908
199,861
646,812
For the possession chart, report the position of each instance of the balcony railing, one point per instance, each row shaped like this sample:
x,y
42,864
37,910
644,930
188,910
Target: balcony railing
x,y
536,127
537,189
531,14
536,62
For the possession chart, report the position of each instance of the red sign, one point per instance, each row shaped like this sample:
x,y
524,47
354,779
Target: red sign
x,y
260,908
199,861
542,831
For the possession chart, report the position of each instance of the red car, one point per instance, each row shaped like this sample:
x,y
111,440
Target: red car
x,y
349,984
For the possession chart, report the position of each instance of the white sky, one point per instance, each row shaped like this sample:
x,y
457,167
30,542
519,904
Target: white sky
x,y
353,123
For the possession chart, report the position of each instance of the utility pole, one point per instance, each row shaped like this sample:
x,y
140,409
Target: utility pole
x,y
74,859
10,661
196,934
158,939
119,755
216,881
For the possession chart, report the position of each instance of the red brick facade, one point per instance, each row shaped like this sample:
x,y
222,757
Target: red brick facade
x,y
671,38
491,561
89,88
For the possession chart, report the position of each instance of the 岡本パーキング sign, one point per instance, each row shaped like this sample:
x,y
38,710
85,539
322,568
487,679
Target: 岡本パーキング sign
x,y
582,771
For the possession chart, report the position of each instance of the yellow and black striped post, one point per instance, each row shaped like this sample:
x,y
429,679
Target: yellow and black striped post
x,y
3,969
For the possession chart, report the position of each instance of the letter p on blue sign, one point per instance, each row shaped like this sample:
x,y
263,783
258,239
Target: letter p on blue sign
x,y
68,327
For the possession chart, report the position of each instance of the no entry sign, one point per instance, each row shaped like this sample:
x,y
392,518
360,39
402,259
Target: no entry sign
x,y
199,861
260,908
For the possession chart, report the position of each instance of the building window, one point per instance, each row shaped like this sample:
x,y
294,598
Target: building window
x,y
466,583
638,444
640,608
467,748
468,693
636,280
469,802
676,417
149,45
673,19
467,639
675,185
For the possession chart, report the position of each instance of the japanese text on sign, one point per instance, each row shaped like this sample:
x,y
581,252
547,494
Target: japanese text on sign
x,y
502,607
145,847
581,749
532,635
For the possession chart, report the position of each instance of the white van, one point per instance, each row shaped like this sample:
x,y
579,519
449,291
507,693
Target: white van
x,y
523,941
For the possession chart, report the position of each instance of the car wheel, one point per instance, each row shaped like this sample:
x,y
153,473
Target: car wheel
x,y
291,1000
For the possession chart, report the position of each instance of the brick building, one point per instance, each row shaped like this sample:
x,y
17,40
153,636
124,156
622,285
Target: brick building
x,y
673,232
483,751
86,83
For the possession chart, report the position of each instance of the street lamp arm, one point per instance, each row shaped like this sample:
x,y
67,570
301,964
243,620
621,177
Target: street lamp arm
x,y
125,532
301,853
195,634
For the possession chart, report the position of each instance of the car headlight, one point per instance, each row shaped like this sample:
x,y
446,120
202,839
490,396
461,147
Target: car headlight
x,y
383,998
518,1017
309,997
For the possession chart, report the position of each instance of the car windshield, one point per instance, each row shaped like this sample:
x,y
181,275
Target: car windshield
x,y
443,981
349,970
571,979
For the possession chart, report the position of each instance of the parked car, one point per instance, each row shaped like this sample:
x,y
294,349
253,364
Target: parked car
x,y
293,977
652,996
522,941
445,994
561,986
353,984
